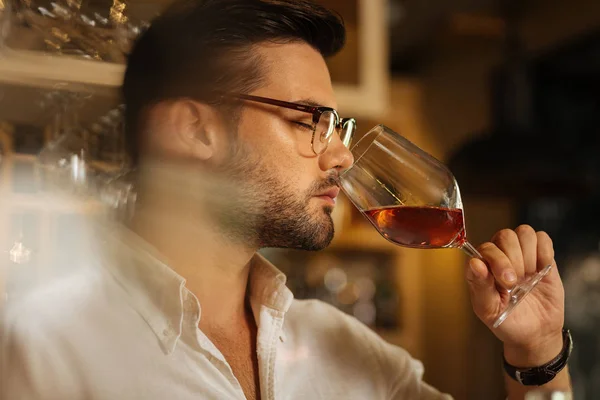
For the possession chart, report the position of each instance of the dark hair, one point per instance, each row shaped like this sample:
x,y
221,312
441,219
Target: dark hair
x,y
199,46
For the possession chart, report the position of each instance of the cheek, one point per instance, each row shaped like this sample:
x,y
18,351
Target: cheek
x,y
280,152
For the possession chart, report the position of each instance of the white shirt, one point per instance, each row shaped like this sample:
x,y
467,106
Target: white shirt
x,y
132,333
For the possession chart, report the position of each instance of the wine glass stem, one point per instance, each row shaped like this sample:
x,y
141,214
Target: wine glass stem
x,y
471,251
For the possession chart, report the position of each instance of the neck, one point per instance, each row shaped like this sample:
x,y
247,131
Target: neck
x,y
216,267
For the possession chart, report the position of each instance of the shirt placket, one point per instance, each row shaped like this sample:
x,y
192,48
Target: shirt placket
x,y
214,356
269,331
217,359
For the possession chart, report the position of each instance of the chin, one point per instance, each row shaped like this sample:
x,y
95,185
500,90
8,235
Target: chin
x,y
328,209
325,236
317,245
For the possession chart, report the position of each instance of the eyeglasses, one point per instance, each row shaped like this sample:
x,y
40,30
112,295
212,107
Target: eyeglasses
x,y
325,120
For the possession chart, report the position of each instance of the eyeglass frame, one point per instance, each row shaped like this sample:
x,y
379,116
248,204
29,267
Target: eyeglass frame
x,y
316,111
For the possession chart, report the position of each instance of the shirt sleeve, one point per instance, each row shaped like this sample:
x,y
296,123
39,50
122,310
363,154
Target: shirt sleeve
x,y
405,376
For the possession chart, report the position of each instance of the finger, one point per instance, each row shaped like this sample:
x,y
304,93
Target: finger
x,y
484,296
529,241
545,250
499,264
508,241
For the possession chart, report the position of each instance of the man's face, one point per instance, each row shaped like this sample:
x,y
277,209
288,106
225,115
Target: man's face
x,y
284,188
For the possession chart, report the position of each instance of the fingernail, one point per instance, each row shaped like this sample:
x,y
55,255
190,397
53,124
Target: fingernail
x,y
509,277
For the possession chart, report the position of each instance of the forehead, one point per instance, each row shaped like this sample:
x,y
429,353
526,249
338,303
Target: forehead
x,y
295,71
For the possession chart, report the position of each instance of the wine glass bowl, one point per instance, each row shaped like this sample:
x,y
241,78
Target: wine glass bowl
x,y
413,200
420,192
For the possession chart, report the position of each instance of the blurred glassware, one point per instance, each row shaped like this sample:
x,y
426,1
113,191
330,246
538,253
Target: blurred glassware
x,y
88,161
115,186
113,139
63,162
5,14
100,31
120,195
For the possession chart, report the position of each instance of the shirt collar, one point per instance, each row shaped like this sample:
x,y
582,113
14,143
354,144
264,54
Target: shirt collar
x,y
267,285
159,294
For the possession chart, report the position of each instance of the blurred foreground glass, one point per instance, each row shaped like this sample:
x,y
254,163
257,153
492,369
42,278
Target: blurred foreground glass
x,y
413,200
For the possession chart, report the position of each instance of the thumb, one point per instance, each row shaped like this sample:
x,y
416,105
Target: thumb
x,y
484,295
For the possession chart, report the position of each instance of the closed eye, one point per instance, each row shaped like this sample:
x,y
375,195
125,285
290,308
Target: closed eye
x,y
303,125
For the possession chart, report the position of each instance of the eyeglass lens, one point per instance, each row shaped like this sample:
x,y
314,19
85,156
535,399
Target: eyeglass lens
x,y
323,131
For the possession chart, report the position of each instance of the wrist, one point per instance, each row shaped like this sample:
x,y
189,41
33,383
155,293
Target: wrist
x,y
536,354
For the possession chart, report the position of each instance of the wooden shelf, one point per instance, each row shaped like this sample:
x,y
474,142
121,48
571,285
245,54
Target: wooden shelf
x,y
368,97
43,70
49,203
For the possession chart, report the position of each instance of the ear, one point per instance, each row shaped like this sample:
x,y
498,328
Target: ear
x,y
183,130
197,129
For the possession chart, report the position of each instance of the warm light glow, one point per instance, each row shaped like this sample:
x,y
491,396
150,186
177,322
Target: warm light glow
x,y
19,253
117,12
335,280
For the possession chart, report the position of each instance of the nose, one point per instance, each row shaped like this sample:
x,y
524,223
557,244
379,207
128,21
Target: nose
x,y
337,156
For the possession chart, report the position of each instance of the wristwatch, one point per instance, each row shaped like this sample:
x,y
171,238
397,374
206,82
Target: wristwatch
x,y
537,376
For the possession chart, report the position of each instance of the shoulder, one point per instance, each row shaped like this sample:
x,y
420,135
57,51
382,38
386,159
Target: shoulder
x,y
60,318
343,340
56,303
316,316
40,332
334,328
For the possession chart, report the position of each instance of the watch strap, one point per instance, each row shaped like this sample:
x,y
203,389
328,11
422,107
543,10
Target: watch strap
x,y
537,376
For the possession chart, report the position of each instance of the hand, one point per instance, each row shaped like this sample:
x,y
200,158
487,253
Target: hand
x,y
532,331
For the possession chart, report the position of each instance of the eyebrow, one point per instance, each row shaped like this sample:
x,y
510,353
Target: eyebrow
x,y
309,102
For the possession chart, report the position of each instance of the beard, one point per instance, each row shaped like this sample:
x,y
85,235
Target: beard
x,y
267,212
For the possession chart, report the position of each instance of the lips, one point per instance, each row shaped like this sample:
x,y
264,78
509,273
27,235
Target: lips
x,y
331,193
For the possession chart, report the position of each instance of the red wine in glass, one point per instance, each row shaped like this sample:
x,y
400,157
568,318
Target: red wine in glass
x,y
419,227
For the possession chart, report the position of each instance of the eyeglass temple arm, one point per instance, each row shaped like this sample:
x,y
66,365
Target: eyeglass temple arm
x,y
280,103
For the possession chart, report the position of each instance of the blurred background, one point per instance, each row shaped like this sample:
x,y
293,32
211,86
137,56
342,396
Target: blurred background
x,y
506,92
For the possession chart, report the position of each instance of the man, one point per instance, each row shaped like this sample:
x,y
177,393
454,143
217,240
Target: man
x,y
228,123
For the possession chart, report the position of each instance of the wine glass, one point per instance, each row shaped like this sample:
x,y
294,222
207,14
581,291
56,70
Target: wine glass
x,y
63,162
116,187
413,200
